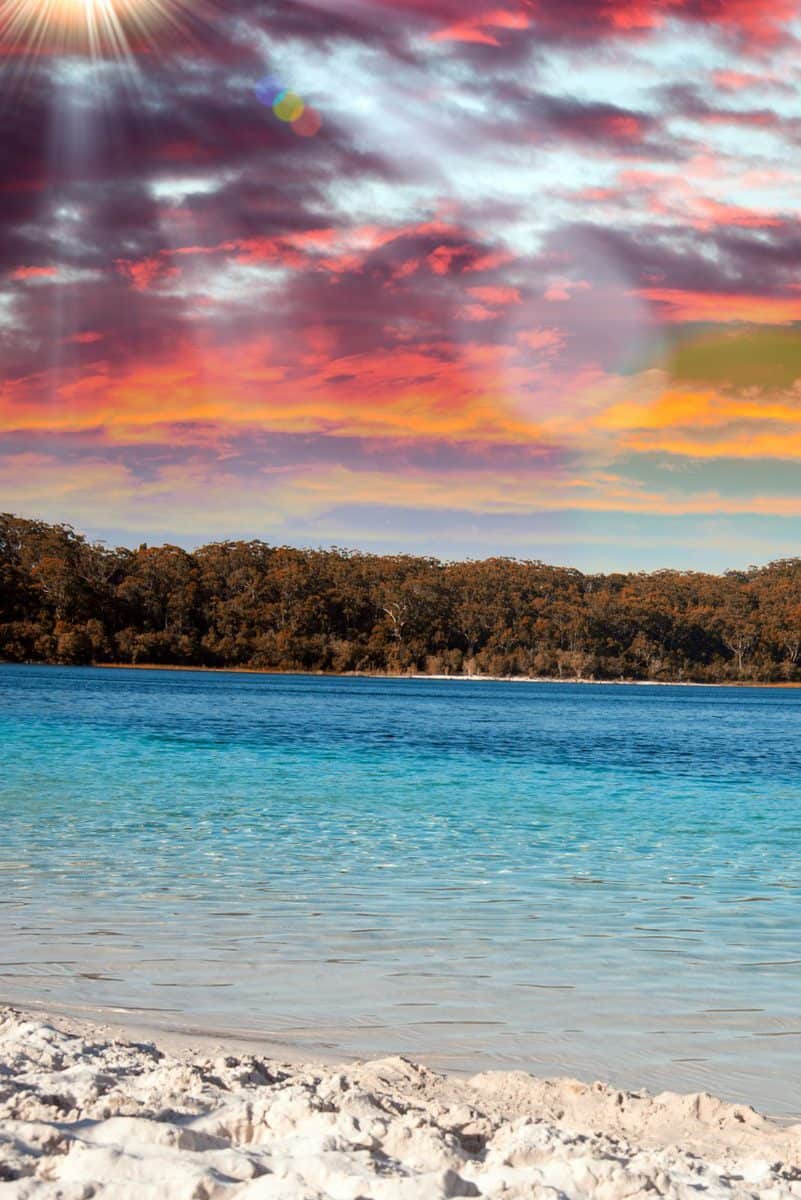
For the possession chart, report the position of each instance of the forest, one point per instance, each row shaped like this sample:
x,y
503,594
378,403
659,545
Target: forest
x,y
64,599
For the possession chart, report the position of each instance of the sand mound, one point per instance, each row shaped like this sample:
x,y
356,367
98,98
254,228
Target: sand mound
x,y
84,1115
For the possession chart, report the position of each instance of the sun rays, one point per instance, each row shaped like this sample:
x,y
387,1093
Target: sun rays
x,y
98,29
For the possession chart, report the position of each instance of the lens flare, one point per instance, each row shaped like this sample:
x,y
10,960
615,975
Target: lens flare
x,y
288,107
308,123
268,90
96,28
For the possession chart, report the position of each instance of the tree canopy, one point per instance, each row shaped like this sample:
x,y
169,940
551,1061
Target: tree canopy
x,y
64,599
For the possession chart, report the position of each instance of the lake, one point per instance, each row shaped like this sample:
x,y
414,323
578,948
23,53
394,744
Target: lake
x,y
595,880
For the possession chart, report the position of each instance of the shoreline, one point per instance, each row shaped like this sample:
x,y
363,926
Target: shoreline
x,y
93,1109
417,676
184,1037
184,1031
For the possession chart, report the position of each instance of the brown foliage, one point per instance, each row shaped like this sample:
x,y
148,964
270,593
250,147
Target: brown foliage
x,y
235,604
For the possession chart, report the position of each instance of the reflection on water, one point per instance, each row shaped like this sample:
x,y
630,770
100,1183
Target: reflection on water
x,y
595,880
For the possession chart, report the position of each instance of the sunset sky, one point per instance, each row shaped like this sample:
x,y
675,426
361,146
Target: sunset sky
x,y
522,278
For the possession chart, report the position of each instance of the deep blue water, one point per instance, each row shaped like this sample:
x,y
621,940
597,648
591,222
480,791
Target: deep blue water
x,y
603,881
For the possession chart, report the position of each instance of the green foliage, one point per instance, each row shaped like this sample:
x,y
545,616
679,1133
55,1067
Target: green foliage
x,y
248,604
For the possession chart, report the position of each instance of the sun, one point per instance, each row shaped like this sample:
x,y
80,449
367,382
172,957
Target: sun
x,y
97,28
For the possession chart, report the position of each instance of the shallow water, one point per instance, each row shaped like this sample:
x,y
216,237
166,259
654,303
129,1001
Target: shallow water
x,y
601,881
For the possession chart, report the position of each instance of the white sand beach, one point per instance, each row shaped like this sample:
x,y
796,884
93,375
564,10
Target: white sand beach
x,y
87,1113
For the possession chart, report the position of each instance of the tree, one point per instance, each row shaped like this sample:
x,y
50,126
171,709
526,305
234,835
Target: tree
x,y
738,622
64,599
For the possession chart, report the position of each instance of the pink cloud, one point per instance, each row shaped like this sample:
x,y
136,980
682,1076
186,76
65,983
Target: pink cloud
x,y
496,295
23,273
440,260
711,213
735,81
84,339
478,312
147,272
561,289
491,261
549,340
476,29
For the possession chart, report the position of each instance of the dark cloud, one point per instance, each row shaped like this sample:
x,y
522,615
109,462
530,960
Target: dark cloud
x,y
723,261
572,20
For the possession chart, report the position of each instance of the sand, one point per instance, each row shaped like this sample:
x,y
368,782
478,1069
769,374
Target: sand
x,y
84,1113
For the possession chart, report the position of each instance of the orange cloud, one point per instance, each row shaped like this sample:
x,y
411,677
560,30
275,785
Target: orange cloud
x,y
676,304
748,443
401,393
706,423
172,495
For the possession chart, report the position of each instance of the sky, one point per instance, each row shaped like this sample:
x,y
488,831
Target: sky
x,y
452,277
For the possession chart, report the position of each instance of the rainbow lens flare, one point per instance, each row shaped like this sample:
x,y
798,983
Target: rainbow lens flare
x,y
288,106
268,90
308,123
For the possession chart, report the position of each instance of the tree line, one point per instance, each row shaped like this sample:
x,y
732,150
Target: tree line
x,y
64,599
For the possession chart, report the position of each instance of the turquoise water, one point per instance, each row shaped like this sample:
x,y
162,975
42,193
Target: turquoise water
x,y
602,881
